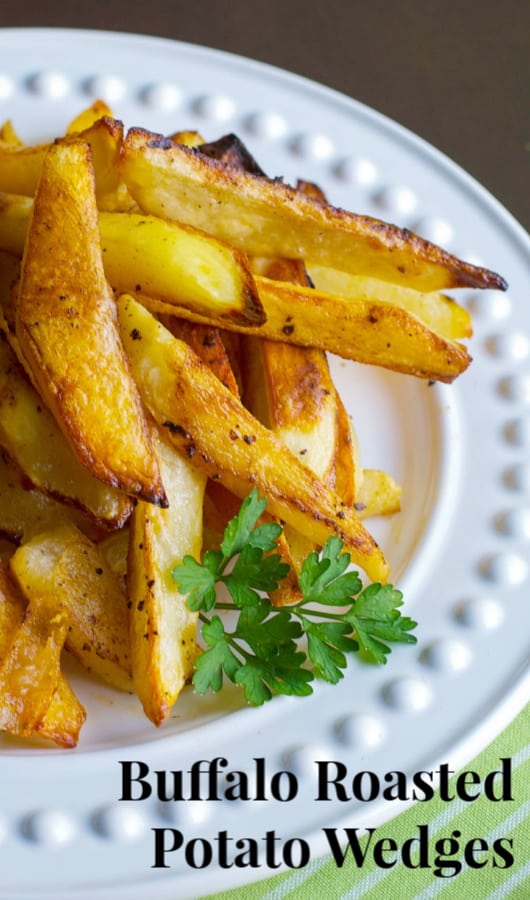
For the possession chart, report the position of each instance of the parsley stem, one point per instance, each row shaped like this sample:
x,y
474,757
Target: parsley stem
x,y
298,611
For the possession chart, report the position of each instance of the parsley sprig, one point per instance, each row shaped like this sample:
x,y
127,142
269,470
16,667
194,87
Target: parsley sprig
x,y
262,652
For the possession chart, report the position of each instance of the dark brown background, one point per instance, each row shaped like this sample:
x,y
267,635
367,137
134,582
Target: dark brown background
x,y
456,72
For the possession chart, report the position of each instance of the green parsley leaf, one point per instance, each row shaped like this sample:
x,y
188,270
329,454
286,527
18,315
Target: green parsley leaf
x,y
238,531
211,664
322,577
376,619
197,581
263,653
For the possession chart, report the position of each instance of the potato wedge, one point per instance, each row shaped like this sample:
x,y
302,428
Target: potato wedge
x,y
33,439
212,429
175,263
64,716
15,214
347,470
89,116
31,668
367,331
9,135
180,264
162,628
25,512
208,344
65,566
290,391
21,166
221,504
67,330
379,494
340,324
439,312
12,608
267,218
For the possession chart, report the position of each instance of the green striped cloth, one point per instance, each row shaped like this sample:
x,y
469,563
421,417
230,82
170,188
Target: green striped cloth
x,y
482,818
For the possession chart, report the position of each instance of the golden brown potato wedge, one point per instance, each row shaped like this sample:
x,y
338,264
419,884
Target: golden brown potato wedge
x,y
89,116
24,512
64,716
9,276
378,495
367,331
439,312
33,439
15,213
179,264
67,330
231,151
12,608
347,470
21,166
115,549
64,566
162,628
267,218
31,668
208,344
212,428
403,339
9,135
187,138
289,389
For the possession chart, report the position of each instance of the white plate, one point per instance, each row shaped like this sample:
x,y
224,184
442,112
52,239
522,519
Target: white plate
x,y
459,550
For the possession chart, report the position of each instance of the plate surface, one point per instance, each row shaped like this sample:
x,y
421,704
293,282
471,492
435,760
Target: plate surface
x,y
459,550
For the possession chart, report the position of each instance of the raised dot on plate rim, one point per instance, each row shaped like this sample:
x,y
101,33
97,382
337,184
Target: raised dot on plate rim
x,y
510,345
447,655
300,759
506,569
361,730
109,87
358,169
163,96
119,823
52,828
51,85
484,613
312,146
193,812
493,305
514,523
265,124
517,477
517,432
407,694
397,198
214,106
516,388
434,229
6,87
